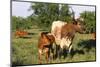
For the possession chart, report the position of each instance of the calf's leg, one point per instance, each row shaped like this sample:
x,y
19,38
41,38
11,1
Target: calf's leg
x,y
40,55
47,52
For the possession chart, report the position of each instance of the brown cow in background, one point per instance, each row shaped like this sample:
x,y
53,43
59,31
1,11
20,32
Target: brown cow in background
x,y
20,33
94,35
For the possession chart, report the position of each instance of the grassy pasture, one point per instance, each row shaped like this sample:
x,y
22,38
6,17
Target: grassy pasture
x,y
25,51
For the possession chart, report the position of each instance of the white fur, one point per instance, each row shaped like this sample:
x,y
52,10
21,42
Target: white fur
x,y
56,30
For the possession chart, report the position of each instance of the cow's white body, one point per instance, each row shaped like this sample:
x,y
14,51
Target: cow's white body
x,y
66,43
56,30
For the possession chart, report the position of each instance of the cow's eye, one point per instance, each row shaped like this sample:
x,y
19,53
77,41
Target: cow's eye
x,y
79,24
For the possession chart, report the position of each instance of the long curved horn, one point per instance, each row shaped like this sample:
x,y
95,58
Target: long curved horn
x,y
73,14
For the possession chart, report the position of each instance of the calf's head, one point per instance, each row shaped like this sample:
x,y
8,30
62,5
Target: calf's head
x,y
44,38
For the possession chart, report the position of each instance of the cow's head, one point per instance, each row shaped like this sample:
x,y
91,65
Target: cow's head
x,y
79,25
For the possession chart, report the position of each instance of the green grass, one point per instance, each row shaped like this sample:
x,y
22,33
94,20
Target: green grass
x,y
25,51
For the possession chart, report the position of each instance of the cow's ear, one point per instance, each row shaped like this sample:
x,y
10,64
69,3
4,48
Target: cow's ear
x,y
75,22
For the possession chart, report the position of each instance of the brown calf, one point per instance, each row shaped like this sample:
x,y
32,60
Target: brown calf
x,y
45,45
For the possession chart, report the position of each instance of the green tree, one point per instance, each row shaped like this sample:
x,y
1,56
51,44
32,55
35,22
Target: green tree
x,y
21,23
90,21
65,14
46,13
14,22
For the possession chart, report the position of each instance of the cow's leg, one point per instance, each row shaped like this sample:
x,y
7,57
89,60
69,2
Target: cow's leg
x,y
56,51
70,49
62,43
69,45
71,52
51,51
60,51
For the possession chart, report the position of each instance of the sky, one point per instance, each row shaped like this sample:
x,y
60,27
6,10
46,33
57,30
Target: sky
x,y
22,9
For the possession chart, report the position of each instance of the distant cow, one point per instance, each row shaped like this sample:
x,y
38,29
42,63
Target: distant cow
x,y
56,30
20,33
45,44
94,35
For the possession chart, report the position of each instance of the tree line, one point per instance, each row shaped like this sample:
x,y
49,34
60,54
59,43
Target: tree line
x,y
45,13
